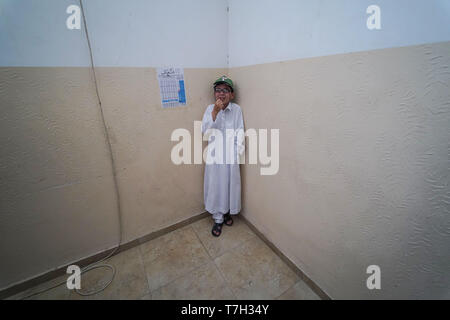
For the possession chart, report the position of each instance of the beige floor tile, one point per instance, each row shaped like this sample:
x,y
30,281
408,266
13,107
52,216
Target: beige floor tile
x,y
171,256
177,266
129,281
254,271
230,237
59,293
148,296
204,283
299,291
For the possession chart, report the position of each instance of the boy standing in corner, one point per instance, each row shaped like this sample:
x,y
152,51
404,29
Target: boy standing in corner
x,y
222,181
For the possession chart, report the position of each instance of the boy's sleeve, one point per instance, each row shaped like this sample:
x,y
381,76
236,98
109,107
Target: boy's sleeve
x,y
240,134
208,122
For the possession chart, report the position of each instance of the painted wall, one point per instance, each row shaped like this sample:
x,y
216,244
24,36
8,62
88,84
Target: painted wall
x,y
364,153
262,31
57,197
138,33
363,118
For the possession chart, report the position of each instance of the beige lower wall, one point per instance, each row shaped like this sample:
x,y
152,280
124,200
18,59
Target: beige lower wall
x,y
58,202
363,175
364,167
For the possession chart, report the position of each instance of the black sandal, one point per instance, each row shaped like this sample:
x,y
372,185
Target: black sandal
x,y
217,227
227,219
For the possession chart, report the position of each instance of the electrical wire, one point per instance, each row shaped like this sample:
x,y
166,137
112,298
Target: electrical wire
x,y
96,264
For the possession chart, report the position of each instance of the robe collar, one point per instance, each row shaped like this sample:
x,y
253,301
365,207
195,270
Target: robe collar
x,y
228,106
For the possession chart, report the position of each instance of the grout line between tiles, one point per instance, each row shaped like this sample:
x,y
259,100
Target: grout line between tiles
x,y
53,274
188,223
145,270
179,277
302,276
288,289
237,246
187,272
252,235
215,265
225,281
201,242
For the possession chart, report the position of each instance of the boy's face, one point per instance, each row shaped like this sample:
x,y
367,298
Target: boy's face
x,y
226,97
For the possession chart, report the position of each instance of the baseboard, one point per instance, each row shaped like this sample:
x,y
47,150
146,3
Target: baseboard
x,y
27,284
314,287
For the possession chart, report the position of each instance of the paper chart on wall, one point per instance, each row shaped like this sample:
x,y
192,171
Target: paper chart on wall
x,y
171,86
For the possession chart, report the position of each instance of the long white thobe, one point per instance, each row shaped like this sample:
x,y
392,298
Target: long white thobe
x,y
222,182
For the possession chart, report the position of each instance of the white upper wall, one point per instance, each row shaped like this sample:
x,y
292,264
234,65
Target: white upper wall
x,y
133,33
200,33
262,31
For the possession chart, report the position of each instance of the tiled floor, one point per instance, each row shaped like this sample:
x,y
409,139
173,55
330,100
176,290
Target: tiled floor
x,y
189,263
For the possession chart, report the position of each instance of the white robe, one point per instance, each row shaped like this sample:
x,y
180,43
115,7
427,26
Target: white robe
x,y
222,182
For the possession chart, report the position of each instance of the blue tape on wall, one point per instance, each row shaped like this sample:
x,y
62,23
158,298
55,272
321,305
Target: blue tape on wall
x,y
181,93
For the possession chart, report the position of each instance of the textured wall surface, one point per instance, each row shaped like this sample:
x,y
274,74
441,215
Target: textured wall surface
x,y
364,154
57,198
156,193
364,167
